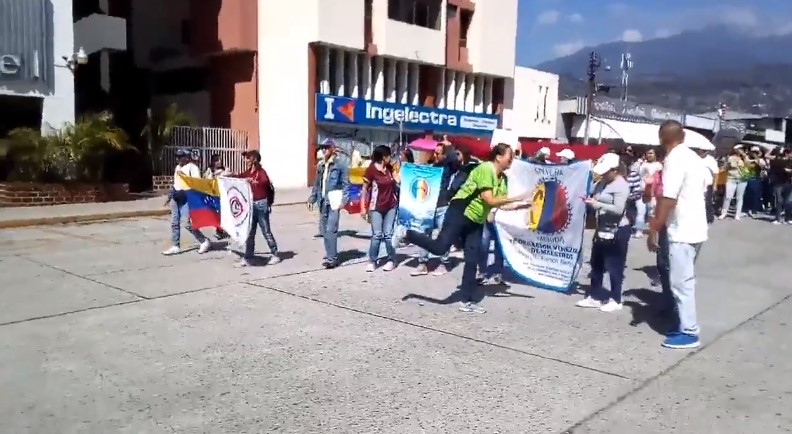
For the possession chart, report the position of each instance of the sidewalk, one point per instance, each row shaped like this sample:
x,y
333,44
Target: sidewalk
x,y
17,217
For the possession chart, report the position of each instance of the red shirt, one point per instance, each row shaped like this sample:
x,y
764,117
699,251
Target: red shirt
x,y
381,188
259,182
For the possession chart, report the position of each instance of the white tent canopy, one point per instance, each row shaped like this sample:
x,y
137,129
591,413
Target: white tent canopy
x,y
634,133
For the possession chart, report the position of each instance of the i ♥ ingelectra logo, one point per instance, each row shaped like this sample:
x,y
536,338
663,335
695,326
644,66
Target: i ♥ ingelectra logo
x,y
348,110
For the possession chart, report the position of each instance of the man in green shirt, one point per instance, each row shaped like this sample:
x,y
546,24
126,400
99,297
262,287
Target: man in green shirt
x,y
484,189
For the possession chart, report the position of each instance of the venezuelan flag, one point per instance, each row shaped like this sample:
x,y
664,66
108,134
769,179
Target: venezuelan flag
x,y
355,189
203,200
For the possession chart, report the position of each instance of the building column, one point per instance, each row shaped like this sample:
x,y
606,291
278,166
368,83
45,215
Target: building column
x,y
459,104
470,93
402,82
441,91
390,80
478,100
415,77
379,79
339,73
367,90
451,90
353,75
324,71
488,95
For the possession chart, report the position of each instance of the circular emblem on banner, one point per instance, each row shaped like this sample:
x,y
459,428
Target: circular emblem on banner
x,y
550,211
420,189
238,205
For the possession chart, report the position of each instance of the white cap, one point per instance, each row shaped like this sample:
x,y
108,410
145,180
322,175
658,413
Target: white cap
x,y
756,148
566,153
605,163
738,146
545,151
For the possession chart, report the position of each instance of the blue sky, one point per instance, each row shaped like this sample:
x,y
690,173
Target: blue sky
x,y
554,28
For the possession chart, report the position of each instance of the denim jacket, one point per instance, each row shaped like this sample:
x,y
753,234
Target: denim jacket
x,y
337,179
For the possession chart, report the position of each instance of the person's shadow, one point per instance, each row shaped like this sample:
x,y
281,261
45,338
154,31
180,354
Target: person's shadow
x,y
484,291
652,309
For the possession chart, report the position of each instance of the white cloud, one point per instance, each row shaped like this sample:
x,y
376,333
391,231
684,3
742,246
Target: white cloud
x,y
548,17
663,33
568,48
745,18
576,18
632,35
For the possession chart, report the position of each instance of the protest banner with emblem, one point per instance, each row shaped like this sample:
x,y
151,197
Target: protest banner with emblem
x,y
236,213
542,244
418,194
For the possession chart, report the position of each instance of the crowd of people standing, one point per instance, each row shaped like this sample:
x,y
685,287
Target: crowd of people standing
x,y
666,195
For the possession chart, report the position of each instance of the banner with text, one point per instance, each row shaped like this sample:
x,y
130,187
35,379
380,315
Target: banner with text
x,y
542,244
420,188
236,208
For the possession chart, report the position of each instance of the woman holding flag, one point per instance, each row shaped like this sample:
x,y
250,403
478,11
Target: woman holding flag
x,y
263,196
484,190
177,199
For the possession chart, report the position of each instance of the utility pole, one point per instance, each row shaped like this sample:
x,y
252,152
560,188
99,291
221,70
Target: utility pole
x,y
593,65
626,66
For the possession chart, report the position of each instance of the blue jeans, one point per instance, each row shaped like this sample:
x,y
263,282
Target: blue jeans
x,y
489,243
328,229
753,195
609,256
439,218
382,232
178,213
682,273
783,195
641,211
261,218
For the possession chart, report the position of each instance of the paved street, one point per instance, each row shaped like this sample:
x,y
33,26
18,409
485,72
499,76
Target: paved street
x,y
101,334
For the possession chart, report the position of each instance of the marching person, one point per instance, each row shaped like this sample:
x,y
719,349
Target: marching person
x,y
378,205
177,199
484,190
566,156
216,169
263,196
683,210
332,177
446,158
737,175
611,236
646,171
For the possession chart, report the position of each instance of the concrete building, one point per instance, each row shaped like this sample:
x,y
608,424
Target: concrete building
x,y
531,110
39,42
378,72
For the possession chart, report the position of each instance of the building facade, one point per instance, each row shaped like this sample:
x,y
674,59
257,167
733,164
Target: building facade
x,y
377,72
531,110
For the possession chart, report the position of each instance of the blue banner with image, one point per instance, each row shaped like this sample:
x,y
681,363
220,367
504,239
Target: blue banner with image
x,y
420,189
379,114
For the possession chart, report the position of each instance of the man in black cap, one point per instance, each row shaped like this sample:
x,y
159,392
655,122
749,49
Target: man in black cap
x,y
329,194
177,199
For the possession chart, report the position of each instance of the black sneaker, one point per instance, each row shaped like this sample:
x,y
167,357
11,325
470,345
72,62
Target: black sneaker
x,y
330,264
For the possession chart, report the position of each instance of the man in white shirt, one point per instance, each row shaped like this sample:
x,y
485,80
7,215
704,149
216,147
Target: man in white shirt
x,y
711,172
178,204
683,207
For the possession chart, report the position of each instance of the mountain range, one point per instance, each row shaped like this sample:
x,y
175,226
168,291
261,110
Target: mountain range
x,y
693,71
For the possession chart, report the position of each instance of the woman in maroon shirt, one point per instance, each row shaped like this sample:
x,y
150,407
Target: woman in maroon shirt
x,y
378,205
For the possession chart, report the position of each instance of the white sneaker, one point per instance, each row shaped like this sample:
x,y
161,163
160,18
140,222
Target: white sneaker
x,y
638,235
776,222
370,267
722,216
242,263
174,250
274,260
589,302
611,306
389,266
205,246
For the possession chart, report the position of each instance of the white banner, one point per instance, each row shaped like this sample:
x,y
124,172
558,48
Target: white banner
x,y
542,244
236,208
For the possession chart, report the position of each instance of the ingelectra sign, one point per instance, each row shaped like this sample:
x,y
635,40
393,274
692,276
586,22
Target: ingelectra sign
x,y
10,64
385,114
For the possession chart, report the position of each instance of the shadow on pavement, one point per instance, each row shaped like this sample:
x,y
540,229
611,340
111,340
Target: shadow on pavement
x,y
651,309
